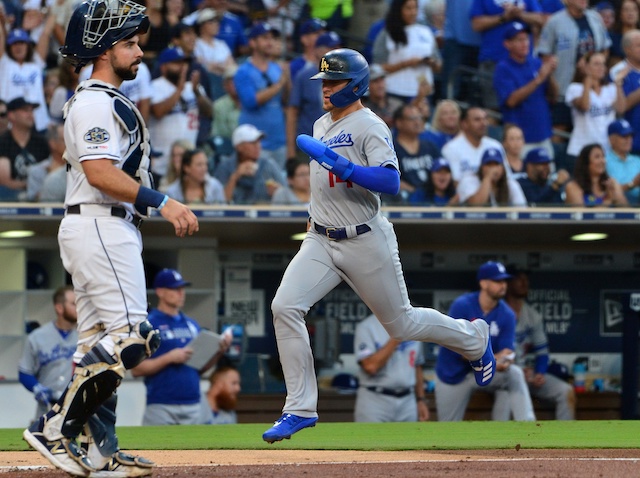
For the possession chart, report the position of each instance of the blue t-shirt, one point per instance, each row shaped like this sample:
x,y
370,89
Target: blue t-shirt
x,y
436,137
451,367
586,42
630,84
232,32
511,76
306,95
624,172
492,48
269,116
457,24
414,168
176,384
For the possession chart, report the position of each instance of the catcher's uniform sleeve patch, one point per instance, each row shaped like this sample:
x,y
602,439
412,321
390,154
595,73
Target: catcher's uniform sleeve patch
x,y
97,136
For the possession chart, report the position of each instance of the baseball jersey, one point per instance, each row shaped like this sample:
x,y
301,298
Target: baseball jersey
x,y
400,370
531,338
47,355
176,384
104,138
451,367
464,158
181,123
590,126
365,140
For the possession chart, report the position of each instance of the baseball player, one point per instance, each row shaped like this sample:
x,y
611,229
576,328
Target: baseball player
x,y
454,385
108,191
349,240
531,342
390,376
45,366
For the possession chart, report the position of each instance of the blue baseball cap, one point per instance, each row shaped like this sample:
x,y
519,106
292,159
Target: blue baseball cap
x,y
171,54
537,156
514,28
621,127
492,155
493,271
439,164
604,6
329,39
169,279
262,28
312,26
18,35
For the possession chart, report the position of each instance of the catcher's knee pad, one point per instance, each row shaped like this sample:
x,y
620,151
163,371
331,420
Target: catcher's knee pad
x,y
141,343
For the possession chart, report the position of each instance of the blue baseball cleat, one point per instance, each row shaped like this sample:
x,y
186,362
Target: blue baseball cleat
x,y
485,368
287,425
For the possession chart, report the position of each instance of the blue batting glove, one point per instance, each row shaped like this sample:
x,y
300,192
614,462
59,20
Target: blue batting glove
x,y
43,394
328,159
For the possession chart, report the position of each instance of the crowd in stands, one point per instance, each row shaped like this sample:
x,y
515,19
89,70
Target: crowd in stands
x,y
490,103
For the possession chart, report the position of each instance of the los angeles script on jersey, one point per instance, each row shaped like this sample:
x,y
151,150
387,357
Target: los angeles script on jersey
x,y
340,140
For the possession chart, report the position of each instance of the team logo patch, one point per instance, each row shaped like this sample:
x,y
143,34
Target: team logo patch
x,y
324,66
96,136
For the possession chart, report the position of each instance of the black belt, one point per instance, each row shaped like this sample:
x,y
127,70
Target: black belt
x,y
116,211
393,392
339,233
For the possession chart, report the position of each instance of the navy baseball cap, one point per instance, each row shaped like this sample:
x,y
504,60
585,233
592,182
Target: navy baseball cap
x,y
329,39
537,156
493,271
621,127
439,164
171,54
492,155
262,28
513,29
312,26
18,35
169,279
604,6
19,103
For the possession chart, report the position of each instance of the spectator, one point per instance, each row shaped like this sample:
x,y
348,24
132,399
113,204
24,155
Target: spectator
x,y
305,101
211,52
226,110
445,123
175,105
524,86
627,19
195,186
178,150
440,189
337,13
550,6
493,19
231,26
248,177
406,50
608,14
390,376
262,87
513,143
532,352
569,34
46,365
621,165
47,180
491,186
164,16
309,33
173,387
630,81
4,118
591,185
298,190
415,155
20,147
377,99
464,152
461,49
536,185
222,397
454,384
594,102
68,82
21,66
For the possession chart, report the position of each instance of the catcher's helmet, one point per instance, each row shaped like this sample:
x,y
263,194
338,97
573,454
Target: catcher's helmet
x,y
97,25
345,64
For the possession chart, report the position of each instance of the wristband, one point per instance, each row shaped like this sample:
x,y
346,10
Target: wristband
x,y
147,198
164,201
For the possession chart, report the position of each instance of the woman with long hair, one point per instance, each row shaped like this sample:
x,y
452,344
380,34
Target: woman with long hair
x,y
176,153
406,50
513,143
445,123
440,190
627,19
194,184
591,185
69,80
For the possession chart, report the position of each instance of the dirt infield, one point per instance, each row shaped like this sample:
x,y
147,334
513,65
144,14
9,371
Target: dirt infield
x,y
354,464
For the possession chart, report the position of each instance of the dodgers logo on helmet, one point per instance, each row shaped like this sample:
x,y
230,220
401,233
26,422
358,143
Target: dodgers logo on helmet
x,y
96,136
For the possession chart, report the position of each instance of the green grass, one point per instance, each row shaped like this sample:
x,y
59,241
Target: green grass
x,y
378,436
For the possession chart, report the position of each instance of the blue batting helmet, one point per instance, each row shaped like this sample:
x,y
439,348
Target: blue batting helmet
x,y
97,25
345,64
